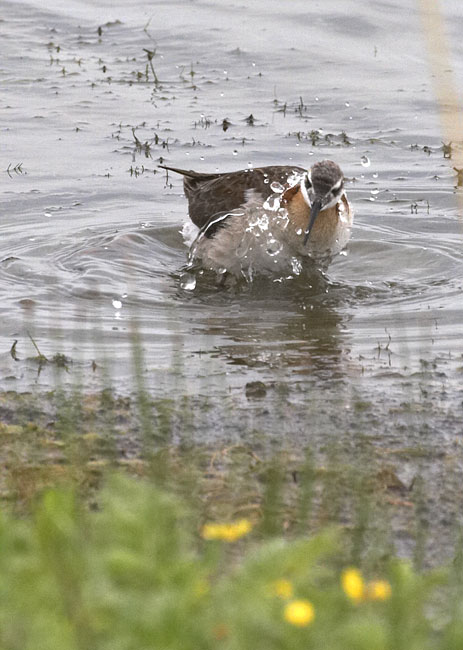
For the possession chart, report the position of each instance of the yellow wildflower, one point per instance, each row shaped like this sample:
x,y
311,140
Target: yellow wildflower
x,y
220,632
353,585
378,590
299,613
282,588
202,587
226,532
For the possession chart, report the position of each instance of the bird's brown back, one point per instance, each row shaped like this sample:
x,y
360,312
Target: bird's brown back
x,y
212,195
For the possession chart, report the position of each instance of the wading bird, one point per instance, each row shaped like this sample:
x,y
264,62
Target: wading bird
x,y
266,220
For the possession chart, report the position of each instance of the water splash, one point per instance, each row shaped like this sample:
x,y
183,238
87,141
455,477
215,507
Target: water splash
x,y
261,221
296,265
273,246
272,203
188,281
277,187
243,247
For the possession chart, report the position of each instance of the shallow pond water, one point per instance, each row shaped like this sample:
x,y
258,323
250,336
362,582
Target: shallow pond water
x,y
91,227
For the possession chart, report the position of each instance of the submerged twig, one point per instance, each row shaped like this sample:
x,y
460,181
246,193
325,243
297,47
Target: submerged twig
x,y
17,169
151,54
41,358
13,351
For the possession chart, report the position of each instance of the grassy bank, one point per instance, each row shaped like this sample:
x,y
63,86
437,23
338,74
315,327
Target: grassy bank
x,y
116,533
139,570
390,500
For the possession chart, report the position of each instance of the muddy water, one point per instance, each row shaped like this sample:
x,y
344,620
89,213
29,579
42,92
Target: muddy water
x,y
90,227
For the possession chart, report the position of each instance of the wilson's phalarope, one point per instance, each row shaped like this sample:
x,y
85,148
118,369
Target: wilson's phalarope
x,y
267,219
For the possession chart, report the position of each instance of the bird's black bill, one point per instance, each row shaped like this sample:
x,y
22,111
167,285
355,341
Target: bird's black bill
x,y
314,210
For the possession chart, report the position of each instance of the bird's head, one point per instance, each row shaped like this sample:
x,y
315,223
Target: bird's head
x,y
321,187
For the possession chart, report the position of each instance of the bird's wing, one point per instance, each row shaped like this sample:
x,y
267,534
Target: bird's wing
x,y
213,194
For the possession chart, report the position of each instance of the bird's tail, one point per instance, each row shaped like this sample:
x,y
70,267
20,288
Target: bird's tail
x,y
189,173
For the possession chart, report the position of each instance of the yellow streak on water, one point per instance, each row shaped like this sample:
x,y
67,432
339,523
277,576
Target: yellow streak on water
x,y
444,84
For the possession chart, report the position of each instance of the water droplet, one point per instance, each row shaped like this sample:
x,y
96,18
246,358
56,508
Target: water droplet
x,y
365,161
272,204
347,104
47,214
296,266
299,231
277,187
247,273
375,175
273,246
235,153
242,248
201,157
316,99
262,223
374,192
188,281
117,304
